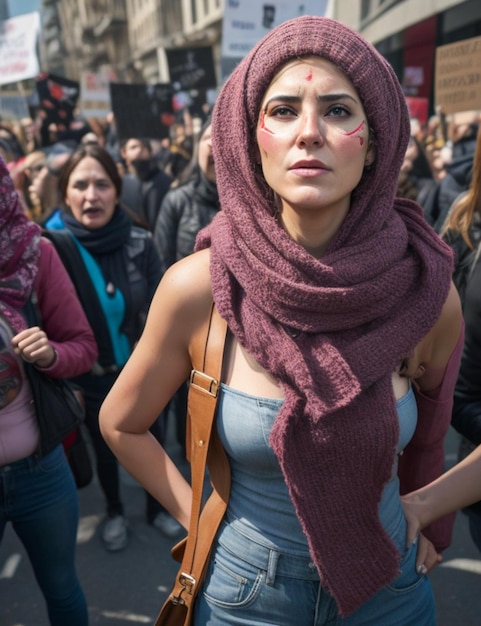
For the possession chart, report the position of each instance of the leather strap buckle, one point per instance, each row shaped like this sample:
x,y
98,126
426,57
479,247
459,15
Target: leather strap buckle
x,y
204,383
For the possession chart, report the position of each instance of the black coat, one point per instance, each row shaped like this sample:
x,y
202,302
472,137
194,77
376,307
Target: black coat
x,y
144,197
184,212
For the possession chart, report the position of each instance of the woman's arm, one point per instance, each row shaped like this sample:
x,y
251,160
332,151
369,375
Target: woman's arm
x,y
454,490
435,368
159,364
65,346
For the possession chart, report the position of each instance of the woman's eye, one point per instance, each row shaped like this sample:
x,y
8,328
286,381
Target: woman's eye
x,y
282,111
339,111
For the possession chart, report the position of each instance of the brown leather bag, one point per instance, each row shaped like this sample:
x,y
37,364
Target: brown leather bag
x,y
203,449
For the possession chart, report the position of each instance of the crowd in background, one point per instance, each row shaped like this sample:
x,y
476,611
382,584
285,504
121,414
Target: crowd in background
x,y
173,177
167,188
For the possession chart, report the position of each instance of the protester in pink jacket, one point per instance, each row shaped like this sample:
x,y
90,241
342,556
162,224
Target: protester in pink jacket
x,y
39,495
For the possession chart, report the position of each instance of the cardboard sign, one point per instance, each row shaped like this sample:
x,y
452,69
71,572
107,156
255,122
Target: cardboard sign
x,y
57,99
458,76
191,68
142,110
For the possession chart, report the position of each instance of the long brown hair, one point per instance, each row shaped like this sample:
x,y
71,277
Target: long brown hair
x,y
461,216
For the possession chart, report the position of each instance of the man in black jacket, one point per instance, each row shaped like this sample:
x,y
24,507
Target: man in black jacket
x,y
145,184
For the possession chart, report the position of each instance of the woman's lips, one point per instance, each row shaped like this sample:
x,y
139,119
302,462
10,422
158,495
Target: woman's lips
x,y
309,168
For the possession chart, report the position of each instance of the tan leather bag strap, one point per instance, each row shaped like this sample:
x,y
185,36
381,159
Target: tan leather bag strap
x,y
204,449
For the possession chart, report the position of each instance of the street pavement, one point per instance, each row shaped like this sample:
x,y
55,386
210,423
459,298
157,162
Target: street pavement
x,y
127,588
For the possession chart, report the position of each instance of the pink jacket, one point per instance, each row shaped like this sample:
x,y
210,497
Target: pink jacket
x,y
63,318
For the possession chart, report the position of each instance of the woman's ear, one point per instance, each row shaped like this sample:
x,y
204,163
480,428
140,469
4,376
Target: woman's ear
x,y
371,149
370,157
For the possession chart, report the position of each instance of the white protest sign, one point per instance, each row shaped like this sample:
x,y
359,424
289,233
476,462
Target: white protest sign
x,y
245,22
95,94
18,48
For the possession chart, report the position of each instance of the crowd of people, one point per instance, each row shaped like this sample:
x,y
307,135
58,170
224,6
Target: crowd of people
x,y
294,209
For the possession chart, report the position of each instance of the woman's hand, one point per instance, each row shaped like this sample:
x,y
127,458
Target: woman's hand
x,y
427,556
33,346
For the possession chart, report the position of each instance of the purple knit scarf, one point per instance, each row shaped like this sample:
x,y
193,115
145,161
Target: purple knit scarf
x,y
330,330
19,252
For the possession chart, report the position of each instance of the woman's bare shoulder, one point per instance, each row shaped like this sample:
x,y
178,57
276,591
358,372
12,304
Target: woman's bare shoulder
x,y
184,295
189,278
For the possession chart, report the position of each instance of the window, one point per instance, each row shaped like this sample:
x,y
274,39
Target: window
x,y
365,8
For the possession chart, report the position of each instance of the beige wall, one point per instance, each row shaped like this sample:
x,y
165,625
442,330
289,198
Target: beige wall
x,y
393,20
404,15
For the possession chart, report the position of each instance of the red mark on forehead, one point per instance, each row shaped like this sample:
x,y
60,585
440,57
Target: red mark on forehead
x,y
263,123
357,130
308,76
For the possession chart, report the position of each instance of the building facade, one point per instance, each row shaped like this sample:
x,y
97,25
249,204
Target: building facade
x,y
130,37
407,33
157,25
85,35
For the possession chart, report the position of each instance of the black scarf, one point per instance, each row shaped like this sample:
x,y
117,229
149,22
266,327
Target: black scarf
x,y
107,245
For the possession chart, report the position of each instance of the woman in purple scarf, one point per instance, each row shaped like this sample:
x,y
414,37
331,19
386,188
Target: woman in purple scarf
x,y
344,341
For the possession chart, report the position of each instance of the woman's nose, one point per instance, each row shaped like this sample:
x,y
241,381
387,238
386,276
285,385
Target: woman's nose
x,y
90,191
311,130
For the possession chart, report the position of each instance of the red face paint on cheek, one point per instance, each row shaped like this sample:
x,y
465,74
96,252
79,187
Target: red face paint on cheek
x,y
266,138
357,131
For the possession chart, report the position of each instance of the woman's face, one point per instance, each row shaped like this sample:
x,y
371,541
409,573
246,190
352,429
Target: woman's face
x,y
313,137
91,194
206,160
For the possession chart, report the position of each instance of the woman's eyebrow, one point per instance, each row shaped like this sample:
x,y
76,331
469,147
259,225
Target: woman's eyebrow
x,y
294,99
333,97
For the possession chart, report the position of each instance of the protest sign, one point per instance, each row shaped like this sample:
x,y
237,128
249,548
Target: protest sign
x,y
458,76
18,48
95,94
142,110
245,22
57,99
191,68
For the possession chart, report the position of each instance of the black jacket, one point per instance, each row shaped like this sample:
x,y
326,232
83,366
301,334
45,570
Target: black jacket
x,y
457,180
144,197
184,212
140,259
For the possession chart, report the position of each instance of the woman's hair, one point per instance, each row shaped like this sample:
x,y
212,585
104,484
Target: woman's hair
x,y
461,216
95,152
